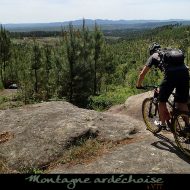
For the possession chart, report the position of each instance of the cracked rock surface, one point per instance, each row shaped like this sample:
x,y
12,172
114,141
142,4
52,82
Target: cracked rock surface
x,y
33,136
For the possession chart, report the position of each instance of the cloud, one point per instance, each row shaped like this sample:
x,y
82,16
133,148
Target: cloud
x,y
62,10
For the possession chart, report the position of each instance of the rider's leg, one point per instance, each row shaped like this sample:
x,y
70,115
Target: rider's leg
x,y
166,88
164,114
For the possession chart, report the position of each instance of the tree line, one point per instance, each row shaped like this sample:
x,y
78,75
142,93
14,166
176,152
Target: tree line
x,y
83,67
72,69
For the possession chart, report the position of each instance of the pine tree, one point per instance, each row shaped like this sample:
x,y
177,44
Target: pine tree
x,y
36,65
98,46
72,58
5,53
48,67
79,47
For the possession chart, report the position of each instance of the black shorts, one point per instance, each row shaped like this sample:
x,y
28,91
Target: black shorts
x,y
178,80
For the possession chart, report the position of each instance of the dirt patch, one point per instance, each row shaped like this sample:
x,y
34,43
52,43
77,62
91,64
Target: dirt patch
x,y
8,92
5,137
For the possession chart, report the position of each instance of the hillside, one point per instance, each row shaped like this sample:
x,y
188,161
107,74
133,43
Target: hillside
x,y
104,24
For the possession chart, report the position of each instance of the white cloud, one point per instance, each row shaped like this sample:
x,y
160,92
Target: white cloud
x,y
61,10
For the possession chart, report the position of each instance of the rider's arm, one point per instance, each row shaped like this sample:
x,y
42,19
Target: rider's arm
x,y
142,75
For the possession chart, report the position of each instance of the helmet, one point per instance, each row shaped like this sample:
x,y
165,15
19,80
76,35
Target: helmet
x,y
154,47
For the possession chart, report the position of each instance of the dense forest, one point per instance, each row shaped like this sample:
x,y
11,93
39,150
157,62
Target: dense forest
x,y
90,68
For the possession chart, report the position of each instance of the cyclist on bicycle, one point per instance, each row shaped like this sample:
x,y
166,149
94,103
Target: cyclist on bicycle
x,y
175,77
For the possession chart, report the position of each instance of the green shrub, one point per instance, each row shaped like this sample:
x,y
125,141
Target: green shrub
x,y
3,99
1,85
116,95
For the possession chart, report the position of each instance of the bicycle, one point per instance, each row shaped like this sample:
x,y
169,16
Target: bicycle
x,y
177,123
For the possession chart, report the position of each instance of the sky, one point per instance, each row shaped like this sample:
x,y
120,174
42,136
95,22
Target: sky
x,y
38,11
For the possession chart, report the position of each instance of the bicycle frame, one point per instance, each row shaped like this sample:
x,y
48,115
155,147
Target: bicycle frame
x,y
172,104
178,121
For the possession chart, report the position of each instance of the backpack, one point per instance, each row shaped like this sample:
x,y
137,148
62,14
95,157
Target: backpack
x,y
171,57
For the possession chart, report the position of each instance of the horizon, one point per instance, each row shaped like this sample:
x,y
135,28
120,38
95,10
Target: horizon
x,y
171,19
50,11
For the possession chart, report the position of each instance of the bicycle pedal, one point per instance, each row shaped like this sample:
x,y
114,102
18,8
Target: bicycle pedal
x,y
166,128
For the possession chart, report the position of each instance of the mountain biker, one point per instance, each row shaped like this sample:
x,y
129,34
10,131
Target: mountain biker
x,y
175,77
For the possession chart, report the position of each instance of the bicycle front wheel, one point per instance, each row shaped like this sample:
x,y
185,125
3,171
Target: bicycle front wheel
x,y
150,115
182,139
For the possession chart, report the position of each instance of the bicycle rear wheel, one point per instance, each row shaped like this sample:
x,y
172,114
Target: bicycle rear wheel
x,y
182,139
150,115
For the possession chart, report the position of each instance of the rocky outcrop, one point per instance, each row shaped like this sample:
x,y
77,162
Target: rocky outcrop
x,y
132,106
146,153
36,135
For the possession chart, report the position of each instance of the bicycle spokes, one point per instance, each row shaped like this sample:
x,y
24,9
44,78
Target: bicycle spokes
x,y
150,114
182,138
153,109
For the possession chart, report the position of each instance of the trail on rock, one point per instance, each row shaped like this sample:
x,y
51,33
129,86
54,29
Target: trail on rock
x,y
34,136
145,154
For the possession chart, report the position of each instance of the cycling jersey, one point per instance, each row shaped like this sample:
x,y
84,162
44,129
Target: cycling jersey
x,y
174,77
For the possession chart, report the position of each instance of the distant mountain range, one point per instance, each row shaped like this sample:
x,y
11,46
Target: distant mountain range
x,y
104,24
